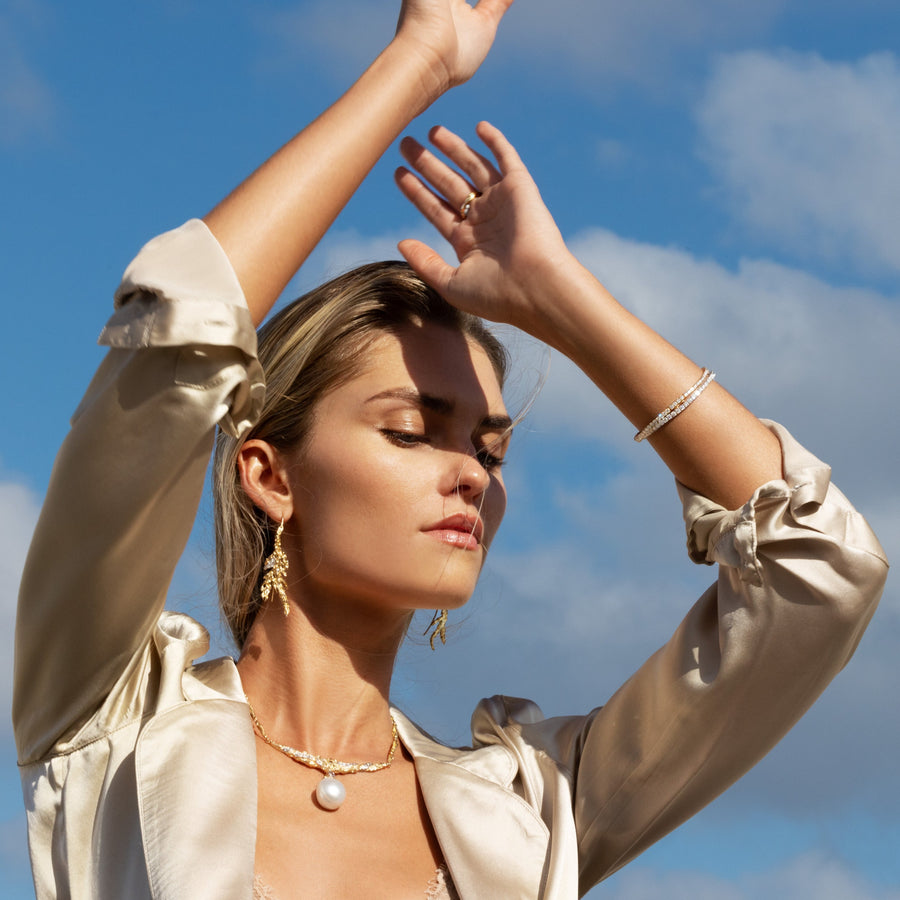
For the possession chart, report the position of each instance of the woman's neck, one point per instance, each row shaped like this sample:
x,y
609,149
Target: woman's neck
x,y
322,683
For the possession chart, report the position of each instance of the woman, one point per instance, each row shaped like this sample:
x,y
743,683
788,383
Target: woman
x,y
364,482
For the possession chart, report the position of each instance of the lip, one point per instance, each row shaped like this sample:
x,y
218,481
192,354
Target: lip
x,y
463,530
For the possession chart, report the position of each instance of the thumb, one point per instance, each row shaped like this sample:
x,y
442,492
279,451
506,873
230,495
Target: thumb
x,y
427,264
493,10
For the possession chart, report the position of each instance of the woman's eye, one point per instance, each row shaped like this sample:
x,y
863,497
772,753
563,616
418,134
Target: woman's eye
x,y
404,438
489,460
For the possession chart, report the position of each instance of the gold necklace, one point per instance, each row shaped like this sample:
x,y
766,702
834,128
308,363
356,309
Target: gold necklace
x,y
330,793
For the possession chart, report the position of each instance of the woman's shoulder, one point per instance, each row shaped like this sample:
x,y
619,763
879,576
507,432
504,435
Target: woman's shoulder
x,y
506,731
520,724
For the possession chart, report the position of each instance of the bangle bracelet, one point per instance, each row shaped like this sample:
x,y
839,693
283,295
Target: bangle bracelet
x,y
678,406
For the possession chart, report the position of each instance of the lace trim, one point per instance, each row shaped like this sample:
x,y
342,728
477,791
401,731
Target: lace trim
x,y
261,891
439,888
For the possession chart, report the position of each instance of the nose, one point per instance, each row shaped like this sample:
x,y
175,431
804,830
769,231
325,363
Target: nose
x,y
471,476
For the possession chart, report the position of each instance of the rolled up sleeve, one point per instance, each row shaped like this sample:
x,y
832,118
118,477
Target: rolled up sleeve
x,y
800,574
127,481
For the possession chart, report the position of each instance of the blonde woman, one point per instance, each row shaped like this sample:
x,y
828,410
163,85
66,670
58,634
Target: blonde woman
x,y
358,478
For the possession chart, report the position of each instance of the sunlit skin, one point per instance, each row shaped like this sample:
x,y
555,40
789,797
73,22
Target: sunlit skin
x,y
368,506
390,506
399,492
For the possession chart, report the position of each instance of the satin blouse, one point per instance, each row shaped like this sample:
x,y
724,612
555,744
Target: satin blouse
x,y
138,764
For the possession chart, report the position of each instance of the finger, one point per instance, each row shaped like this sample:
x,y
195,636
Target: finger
x,y
434,208
445,181
480,170
427,264
502,150
493,10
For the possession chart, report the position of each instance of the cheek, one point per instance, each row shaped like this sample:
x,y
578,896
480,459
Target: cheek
x,y
364,491
493,509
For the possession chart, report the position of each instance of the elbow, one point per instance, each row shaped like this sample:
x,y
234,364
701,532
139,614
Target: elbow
x,y
859,585
830,601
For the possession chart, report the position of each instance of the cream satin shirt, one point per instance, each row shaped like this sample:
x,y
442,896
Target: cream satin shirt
x,y
138,766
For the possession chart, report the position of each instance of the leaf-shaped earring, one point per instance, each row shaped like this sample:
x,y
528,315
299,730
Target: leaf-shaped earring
x,y
276,567
439,624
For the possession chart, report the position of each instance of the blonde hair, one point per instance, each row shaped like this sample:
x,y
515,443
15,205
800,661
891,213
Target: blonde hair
x,y
310,347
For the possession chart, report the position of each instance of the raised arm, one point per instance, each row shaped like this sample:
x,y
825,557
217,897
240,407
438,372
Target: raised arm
x,y
514,267
273,220
127,481
799,570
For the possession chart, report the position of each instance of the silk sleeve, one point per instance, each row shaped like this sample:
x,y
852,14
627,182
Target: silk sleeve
x,y
799,576
128,478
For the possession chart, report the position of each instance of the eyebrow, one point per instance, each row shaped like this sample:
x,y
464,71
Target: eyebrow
x,y
440,405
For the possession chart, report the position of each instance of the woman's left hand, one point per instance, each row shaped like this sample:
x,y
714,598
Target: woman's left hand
x,y
507,243
453,36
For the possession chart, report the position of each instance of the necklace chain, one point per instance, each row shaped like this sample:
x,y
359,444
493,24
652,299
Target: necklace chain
x,y
326,764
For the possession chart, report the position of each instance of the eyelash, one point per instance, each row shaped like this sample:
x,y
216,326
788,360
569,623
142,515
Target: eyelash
x,y
488,460
404,438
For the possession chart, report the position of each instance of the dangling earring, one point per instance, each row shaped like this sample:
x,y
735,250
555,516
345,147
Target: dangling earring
x,y
439,624
276,567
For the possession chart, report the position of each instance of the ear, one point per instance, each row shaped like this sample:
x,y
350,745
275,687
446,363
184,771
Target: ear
x,y
264,479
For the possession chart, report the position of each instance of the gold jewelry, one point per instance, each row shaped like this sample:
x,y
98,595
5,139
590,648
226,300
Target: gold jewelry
x,y
276,567
466,205
439,624
678,406
330,793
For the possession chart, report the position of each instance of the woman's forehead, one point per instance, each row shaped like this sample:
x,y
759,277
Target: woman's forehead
x,y
436,361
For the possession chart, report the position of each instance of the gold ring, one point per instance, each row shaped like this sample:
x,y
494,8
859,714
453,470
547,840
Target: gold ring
x,y
467,203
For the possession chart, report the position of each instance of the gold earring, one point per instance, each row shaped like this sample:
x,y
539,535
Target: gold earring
x,y
439,624
276,567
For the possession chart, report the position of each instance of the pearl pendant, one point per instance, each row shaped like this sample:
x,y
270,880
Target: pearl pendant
x,y
330,793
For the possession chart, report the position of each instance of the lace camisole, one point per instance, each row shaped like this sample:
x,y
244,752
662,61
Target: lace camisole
x,y
439,888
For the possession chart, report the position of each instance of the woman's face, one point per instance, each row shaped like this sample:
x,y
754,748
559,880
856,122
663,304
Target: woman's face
x,y
397,491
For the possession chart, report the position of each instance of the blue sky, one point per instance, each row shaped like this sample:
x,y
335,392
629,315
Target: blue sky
x,y
729,169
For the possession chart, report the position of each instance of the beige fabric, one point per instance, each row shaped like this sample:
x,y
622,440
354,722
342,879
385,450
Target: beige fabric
x,y
138,767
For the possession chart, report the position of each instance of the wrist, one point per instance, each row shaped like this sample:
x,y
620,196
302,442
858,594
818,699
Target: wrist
x,y
560,289
423,66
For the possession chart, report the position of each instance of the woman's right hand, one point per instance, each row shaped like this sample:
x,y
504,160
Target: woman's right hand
x,y
514,267
452,36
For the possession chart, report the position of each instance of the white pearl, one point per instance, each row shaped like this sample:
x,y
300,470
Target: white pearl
x,y
330,793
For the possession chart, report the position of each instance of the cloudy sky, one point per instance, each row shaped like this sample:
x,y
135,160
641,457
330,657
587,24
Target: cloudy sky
x,y
731,170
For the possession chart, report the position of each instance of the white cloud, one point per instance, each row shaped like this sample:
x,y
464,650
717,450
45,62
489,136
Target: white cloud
x,y
611,153
812,874
606,581
638,883
14,859
633,42
601,594
346,249
820,876
818,358
18,515
348,41
27,106
636,42
806,151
